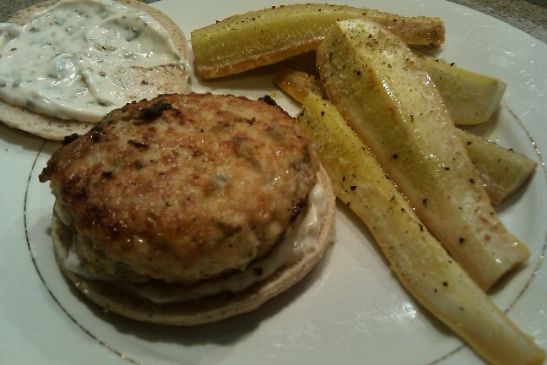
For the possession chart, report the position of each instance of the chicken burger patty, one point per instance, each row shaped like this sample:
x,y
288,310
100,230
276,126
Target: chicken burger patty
x,y
182,188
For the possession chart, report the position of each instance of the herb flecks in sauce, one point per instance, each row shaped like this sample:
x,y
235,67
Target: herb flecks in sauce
x,y
72,59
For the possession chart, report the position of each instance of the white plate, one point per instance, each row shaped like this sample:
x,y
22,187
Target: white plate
x,y
349,310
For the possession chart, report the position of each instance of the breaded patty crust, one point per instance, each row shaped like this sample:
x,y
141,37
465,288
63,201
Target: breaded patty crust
x,y
182,188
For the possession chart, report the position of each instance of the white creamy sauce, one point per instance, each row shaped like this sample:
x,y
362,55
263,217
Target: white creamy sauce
x,y
299,239
72,59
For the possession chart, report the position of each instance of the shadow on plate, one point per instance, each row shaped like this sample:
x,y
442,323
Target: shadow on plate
x,y
27,141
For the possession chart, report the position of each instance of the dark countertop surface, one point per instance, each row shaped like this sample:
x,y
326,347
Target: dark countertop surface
x,y
527,15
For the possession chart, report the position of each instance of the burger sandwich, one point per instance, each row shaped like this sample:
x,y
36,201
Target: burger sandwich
x,y
187,209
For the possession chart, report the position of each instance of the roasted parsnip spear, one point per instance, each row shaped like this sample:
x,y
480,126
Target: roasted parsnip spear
x,y
502,171
264,37
386,95
415,256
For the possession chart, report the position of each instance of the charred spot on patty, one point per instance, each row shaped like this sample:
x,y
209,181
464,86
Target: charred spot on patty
x,y
297,208
268,100
47,172
107,174
137,144
81,194
96,133
70,138
154,111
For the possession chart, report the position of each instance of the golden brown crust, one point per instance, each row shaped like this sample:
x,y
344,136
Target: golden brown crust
x,y
168,79
111,298
184,188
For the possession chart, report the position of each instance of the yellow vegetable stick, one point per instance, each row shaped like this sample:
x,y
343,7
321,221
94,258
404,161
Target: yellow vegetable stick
x,y
263,37
386,95
471,98
502,171
415,256
297,84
